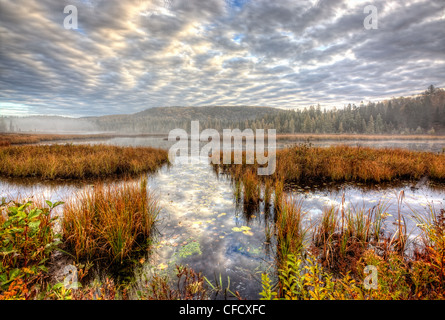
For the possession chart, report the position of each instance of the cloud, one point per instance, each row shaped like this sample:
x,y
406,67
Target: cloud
x,y
127,56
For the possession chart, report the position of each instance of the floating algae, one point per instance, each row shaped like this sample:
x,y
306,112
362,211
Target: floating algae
x,y
190,249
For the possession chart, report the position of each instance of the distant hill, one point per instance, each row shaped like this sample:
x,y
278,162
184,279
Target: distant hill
x,y
163,119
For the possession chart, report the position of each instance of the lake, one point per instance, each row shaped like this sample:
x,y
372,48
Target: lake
x,y
201,224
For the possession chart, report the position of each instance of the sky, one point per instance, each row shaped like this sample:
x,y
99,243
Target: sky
x,y
127,56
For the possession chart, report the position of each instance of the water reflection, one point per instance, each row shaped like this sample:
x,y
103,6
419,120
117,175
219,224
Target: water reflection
x,y
198,207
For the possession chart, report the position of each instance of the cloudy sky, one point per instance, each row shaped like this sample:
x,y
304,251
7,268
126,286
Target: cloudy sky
x,y
126,56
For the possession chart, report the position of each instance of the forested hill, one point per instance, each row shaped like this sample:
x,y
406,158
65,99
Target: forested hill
x,y
163,119
421,113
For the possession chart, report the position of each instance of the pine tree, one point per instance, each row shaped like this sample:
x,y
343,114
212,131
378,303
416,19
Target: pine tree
x,y
379,126
371,125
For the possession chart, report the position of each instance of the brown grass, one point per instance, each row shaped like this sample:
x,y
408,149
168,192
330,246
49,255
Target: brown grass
x,y
7,139
344,163
290,231
109,222
78,161
364,137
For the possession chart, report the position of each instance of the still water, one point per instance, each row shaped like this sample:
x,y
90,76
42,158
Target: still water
x,y
201,225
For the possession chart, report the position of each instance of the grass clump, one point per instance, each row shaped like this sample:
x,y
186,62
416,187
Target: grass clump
x,y
78,161
343,234
109,222
290,231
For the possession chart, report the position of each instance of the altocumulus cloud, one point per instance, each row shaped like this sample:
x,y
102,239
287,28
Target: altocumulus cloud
x,y
127,56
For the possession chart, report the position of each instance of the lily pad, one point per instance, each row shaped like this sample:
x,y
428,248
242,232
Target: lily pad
x,y
162,266
243,229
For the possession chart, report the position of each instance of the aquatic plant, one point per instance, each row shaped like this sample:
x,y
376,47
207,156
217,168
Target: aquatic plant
x,y
190,249
432,237
343,233
220,288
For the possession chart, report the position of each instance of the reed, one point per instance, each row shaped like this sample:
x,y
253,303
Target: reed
x,y
290,229
304,274
343,234
78,161
109,222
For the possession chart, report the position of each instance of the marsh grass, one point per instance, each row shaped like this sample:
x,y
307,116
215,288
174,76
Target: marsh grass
x,y
432,237
347,239
7,139
109,222
78,161
343,233
306,164
12,138
364,137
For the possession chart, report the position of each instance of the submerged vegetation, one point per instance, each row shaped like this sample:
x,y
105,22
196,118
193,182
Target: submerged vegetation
x,y
78,161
